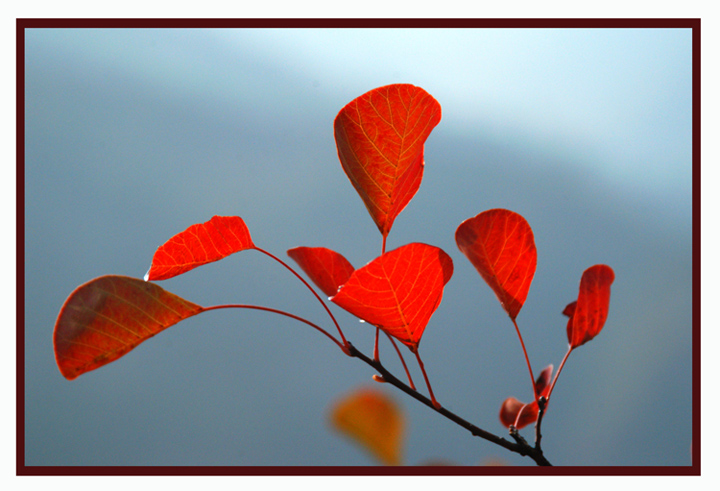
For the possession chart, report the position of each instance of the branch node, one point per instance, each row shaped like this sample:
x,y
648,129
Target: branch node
x,y
542,403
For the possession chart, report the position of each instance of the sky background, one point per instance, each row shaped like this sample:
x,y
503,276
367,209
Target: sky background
x,y
134,135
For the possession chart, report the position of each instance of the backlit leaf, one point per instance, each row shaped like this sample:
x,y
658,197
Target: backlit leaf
x,y
107,317
398,291
199,244
371,418
380,138
501,246
326,268
589,313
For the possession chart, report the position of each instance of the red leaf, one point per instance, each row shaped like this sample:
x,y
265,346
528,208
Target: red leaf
x,y
326,268
501,246
399,291
588,315
510,409
107,317
542,383
380,138
200,244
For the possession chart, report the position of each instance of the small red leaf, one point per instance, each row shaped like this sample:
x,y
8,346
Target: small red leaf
x,y
510,410
501,246
380,138
512,407
200,244
542,384
107,317
326,268
398,291
590,312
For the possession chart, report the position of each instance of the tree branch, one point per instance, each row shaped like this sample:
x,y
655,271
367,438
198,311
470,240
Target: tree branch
x,y
520,446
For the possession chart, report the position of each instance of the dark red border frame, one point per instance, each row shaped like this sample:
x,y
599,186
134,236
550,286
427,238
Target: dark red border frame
x,y
675,23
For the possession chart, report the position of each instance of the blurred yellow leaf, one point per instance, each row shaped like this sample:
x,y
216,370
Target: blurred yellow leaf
x,y
371,418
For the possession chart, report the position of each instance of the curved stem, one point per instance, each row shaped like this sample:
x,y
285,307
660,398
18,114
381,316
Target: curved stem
x,y
519,414
274,311
345,343
527,359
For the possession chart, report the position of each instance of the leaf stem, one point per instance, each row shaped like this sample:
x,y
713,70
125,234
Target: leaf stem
x,y
342,336
402,360
557,374
435,403
376,349
274,311
527,359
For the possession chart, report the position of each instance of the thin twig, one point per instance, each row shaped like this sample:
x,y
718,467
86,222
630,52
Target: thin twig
x,y
542,405
521,446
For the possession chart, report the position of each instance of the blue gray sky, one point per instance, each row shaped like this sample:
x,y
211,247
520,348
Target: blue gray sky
x,y
132,135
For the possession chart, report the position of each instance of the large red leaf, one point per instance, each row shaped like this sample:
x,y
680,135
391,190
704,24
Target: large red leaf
x,y
326,268
589,313
501,246
109,316
380,138
200,244
398,291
